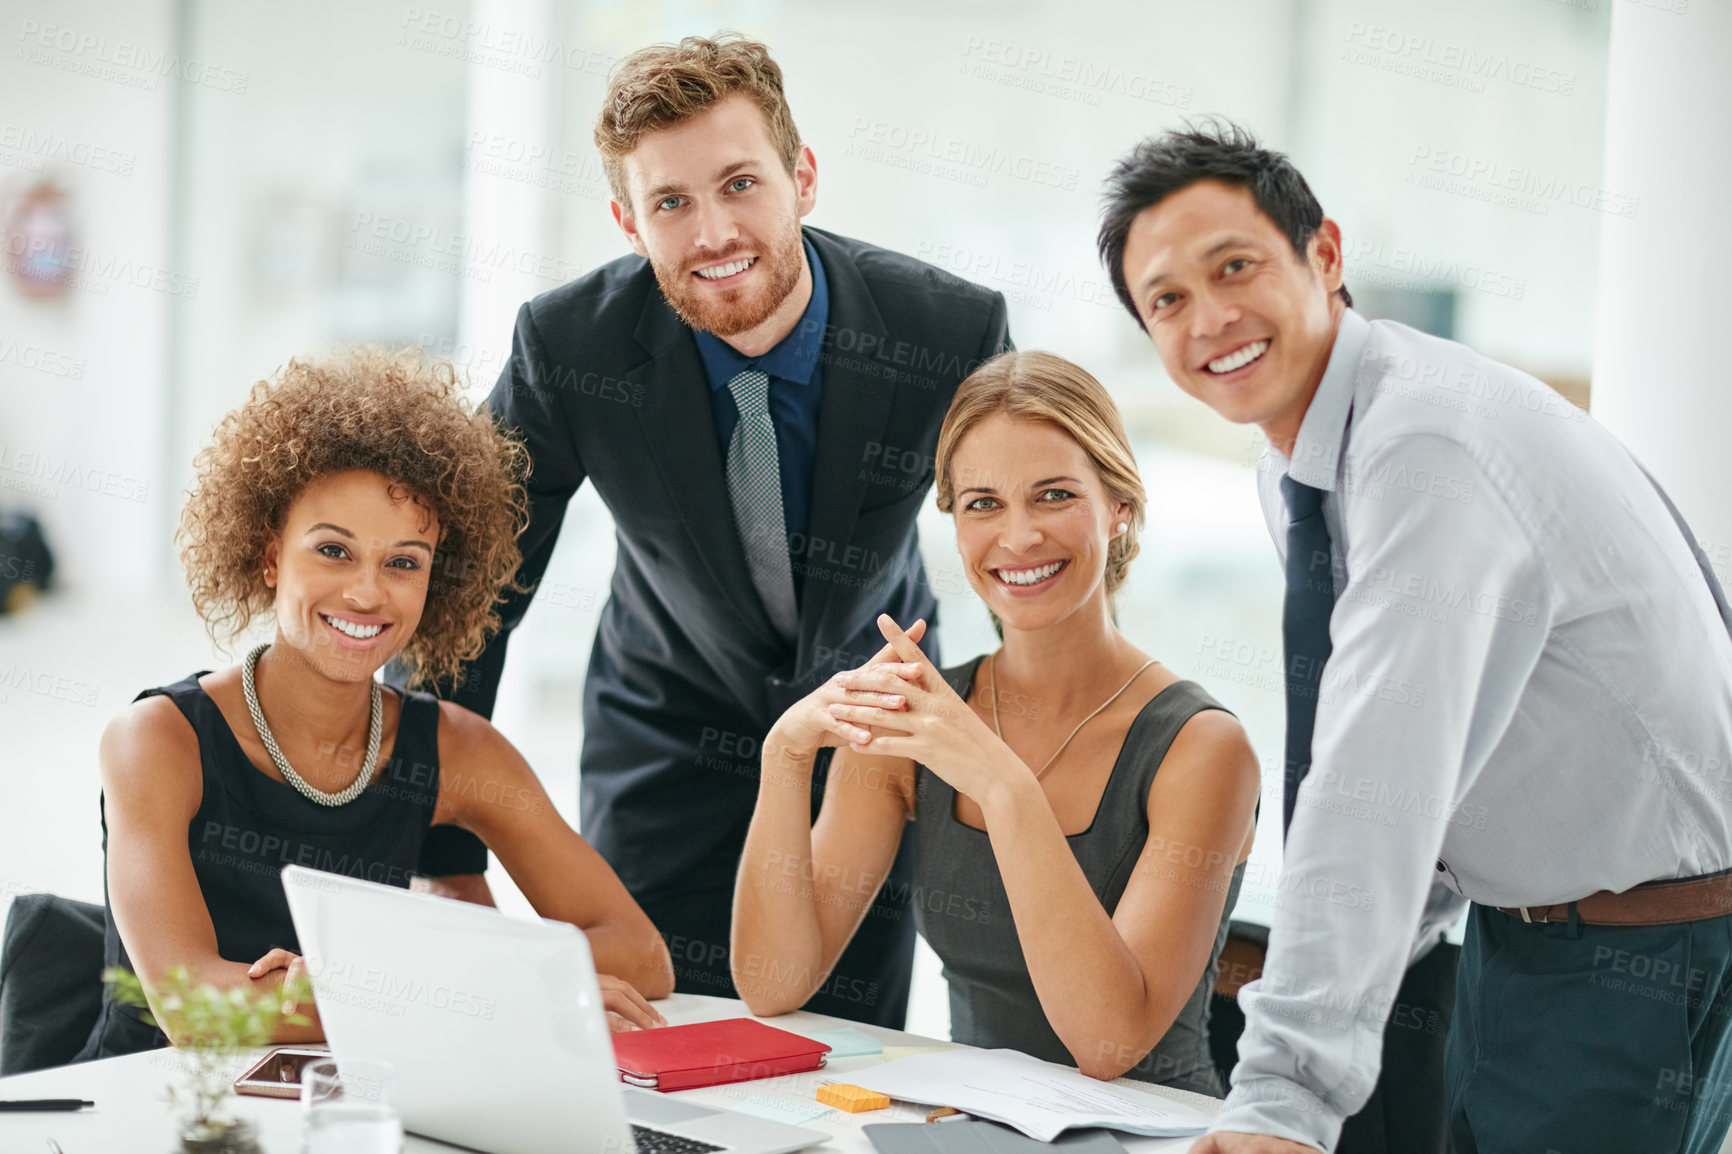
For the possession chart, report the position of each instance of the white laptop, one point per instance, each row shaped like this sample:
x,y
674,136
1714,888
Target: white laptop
x,y
495,1025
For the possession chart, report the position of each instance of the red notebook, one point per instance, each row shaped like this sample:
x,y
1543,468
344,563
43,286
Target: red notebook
x,y
710,1053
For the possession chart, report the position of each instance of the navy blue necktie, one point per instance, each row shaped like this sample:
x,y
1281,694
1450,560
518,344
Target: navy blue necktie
x,y
1304,628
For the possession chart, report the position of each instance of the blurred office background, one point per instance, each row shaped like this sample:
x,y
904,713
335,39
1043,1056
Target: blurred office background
x,y
192,192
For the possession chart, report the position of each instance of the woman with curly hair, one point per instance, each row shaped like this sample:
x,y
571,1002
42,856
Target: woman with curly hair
x,y
1083,814
360,505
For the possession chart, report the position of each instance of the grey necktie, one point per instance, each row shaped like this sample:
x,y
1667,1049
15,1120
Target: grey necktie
x,y
755,487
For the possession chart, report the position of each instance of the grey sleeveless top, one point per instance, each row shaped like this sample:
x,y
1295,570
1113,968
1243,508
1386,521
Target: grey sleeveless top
x,y
961,908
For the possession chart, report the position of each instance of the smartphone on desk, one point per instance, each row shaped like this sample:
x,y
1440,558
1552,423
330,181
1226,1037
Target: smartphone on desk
x,y
278,1073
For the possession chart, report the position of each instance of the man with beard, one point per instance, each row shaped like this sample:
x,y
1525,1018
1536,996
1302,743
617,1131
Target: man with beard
x,y
757,404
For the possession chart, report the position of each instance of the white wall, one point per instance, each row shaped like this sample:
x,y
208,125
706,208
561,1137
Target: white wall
x,y
320,207
82,446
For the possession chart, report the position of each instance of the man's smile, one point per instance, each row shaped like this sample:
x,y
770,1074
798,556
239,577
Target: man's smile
x,y
721,272
1237,359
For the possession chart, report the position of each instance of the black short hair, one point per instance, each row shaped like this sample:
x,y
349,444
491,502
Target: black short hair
x,y
1213,149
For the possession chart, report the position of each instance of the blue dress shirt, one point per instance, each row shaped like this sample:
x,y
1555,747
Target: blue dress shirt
x,y
795,395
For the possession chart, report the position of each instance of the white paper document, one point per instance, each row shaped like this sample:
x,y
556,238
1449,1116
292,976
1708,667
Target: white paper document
x,y
1039,1098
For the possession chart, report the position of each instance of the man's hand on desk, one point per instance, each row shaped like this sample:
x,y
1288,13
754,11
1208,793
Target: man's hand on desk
x,y
461,887
1232,1142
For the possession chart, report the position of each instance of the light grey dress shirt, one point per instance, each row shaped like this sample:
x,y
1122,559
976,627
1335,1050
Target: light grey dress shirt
x,y
1528,699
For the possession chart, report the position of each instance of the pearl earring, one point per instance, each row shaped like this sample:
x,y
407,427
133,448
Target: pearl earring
x,y
1123,526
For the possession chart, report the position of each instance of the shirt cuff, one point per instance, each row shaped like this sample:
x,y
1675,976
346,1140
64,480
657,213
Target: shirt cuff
x,y
1280,1109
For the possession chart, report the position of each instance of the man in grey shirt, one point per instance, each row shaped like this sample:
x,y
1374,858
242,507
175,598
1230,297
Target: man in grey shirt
x,y
1509,681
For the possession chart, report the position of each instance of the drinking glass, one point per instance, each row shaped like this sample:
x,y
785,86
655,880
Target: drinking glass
x,y
346,1109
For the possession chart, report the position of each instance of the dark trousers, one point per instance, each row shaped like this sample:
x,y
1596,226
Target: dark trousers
x,y
1405,1113
869,983
1573,1039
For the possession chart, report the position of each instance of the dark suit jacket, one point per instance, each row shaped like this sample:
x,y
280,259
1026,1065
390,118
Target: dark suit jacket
x,y
687,674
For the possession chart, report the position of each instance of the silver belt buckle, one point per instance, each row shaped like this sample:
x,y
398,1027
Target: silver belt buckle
x,y
1528,920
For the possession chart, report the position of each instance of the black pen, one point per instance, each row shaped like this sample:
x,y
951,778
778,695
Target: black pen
x,y
43,1104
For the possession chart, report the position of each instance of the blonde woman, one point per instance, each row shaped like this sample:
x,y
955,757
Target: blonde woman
x,y
1082,813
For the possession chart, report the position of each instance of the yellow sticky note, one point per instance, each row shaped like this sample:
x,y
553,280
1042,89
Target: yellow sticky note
x,y
852,1099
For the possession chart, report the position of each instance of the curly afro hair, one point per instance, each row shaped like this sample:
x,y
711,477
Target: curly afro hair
x,y
397,415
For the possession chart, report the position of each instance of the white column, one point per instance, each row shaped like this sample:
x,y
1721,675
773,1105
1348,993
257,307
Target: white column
x,y
1665,303
511,88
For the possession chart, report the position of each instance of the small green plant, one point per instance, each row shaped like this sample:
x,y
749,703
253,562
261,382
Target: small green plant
x,y
211,1027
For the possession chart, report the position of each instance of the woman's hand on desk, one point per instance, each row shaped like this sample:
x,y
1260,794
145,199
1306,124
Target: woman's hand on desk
x,y
811,724
294,969
626,1008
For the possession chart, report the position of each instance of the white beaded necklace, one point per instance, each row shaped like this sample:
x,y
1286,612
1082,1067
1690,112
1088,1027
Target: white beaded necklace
x,y
992,668
375,730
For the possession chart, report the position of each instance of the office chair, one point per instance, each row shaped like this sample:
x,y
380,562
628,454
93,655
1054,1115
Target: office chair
x,y
50,981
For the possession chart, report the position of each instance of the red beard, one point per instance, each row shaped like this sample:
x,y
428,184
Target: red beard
x,y
735,310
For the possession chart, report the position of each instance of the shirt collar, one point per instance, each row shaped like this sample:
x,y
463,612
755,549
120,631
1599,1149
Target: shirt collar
x,y
794,358
1317,449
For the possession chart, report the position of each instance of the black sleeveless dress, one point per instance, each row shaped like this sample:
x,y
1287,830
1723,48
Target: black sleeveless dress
x,y
249,826
963,911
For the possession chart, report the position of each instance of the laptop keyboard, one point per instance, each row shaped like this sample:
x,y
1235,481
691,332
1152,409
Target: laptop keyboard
x,y
661,1142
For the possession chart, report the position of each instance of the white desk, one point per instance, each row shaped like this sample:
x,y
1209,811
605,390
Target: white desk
x,y
131,1116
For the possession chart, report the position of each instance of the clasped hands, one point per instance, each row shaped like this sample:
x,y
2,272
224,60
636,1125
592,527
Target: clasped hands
x,y
899,705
